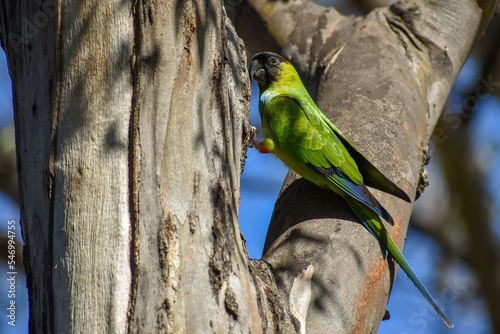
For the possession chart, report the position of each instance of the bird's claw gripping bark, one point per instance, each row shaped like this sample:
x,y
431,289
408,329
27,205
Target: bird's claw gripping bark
x,y
254,142
265,146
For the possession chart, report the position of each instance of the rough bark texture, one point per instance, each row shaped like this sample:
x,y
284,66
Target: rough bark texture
x,y
189,129
34,95
70,66
131,128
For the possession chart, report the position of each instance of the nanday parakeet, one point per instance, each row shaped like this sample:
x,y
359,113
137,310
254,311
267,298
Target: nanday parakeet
x,y
299,134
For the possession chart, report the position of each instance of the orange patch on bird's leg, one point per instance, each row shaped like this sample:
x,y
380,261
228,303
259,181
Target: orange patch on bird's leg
x,y
262,148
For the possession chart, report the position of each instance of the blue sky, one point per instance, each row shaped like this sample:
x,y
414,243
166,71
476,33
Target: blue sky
x,y
10,211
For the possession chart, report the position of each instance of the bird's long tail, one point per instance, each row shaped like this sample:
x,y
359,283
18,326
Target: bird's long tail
x,y
374,224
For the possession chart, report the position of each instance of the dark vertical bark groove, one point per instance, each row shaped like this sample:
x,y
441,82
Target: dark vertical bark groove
x,y
57,83
134,164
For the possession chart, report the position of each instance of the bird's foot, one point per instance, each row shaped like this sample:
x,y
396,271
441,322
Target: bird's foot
x,y
254,142
265,146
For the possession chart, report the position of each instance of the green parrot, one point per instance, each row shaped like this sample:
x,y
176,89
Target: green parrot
x,y
299,134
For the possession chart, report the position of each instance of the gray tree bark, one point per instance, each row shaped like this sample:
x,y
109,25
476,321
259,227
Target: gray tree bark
x,y
131,123
131,129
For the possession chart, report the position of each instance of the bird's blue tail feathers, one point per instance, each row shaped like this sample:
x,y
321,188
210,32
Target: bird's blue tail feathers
x,y
374,224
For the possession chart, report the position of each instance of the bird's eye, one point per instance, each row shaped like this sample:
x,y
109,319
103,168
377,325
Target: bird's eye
x,y
273,61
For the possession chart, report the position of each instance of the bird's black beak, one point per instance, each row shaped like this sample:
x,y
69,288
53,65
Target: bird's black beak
x,y
257,71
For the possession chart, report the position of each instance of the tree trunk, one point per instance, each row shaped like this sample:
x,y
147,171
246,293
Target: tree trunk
x,y
188,131
131,124
131,129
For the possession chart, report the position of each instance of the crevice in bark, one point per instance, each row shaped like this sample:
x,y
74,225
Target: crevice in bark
x,y
134,165
220,259
423,182
57,82
273,308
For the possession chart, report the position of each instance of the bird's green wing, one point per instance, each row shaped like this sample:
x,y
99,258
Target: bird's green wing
x,y
306,138
371,175
310,143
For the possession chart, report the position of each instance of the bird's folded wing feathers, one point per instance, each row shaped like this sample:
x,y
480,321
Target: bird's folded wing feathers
x,y
371,175
304,136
